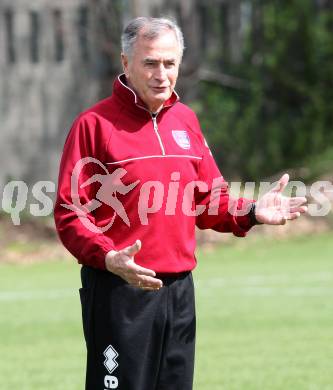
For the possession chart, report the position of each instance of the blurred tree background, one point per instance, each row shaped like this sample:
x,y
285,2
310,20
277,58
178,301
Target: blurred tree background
x,y
281,115
258,73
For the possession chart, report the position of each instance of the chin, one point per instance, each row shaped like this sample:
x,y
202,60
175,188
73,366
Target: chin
x,y
162,96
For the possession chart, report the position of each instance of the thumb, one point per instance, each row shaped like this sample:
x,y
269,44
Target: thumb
x,y
282,183
133,249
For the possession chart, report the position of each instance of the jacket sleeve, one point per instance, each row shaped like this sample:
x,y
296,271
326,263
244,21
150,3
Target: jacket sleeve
x,y
74,218
222,212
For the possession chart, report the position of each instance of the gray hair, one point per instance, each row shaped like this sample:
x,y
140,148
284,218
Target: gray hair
x,y
154,27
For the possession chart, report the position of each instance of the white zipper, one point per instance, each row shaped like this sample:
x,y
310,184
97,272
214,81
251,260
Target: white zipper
x,y
154,118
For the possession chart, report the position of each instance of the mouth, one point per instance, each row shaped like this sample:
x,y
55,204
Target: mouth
x,y
159,89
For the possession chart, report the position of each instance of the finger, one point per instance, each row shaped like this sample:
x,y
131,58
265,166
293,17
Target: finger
x,y
292,216
281,184
147,288
303,209
300,209
133,249
279,220
155,288
297,201
297,209
150,288
148,281
138,270
291,204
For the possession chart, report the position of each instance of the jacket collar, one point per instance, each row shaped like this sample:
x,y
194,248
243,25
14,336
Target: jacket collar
x,y
131,99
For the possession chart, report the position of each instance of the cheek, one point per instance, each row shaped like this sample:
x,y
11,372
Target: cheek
x,y
173,78
142,82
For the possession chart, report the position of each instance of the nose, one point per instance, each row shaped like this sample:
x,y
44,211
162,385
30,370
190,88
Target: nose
x,y
160,73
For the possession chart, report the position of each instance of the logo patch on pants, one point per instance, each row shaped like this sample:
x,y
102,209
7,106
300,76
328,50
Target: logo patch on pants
x,y
110,362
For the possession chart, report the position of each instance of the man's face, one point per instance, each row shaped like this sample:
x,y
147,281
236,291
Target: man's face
x,y
152,70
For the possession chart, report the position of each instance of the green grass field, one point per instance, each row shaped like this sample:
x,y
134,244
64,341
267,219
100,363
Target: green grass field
x,y
264,308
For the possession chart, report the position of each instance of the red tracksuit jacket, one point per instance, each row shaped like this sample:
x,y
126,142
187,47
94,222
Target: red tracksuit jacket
x,y
132,176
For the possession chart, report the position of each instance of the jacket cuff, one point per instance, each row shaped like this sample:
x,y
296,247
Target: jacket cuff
x,y
95,254
243,223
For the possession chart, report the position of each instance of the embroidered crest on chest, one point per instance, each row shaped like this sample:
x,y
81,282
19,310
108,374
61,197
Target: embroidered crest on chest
x,y
181,138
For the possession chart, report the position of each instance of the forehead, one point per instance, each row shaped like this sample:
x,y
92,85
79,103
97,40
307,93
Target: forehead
x,y
163,46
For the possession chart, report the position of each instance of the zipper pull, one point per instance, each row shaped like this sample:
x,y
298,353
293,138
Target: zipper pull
x,y
154,121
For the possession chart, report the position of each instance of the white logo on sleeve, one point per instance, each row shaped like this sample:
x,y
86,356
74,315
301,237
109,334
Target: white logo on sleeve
x,y
110,359
182,139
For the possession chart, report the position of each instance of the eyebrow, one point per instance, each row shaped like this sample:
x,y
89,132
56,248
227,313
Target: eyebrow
x,y
149,59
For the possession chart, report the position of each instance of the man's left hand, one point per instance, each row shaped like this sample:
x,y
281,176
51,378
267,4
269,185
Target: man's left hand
x,y
275,209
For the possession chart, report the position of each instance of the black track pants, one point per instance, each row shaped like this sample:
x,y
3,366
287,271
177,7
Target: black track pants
x,y
137,339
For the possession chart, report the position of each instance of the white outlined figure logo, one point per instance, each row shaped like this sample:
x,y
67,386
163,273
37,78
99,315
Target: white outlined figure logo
x,y
182,139
110,362
111,184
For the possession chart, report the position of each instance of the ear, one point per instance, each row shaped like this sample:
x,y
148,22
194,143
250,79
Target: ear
x,y
124,61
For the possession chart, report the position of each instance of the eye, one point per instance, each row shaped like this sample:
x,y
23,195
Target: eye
x,y
170,64
150,63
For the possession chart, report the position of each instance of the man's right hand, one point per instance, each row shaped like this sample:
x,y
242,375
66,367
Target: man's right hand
x,y
122,264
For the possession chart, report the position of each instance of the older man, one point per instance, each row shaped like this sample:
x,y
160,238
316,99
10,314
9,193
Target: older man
x,y
136,177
